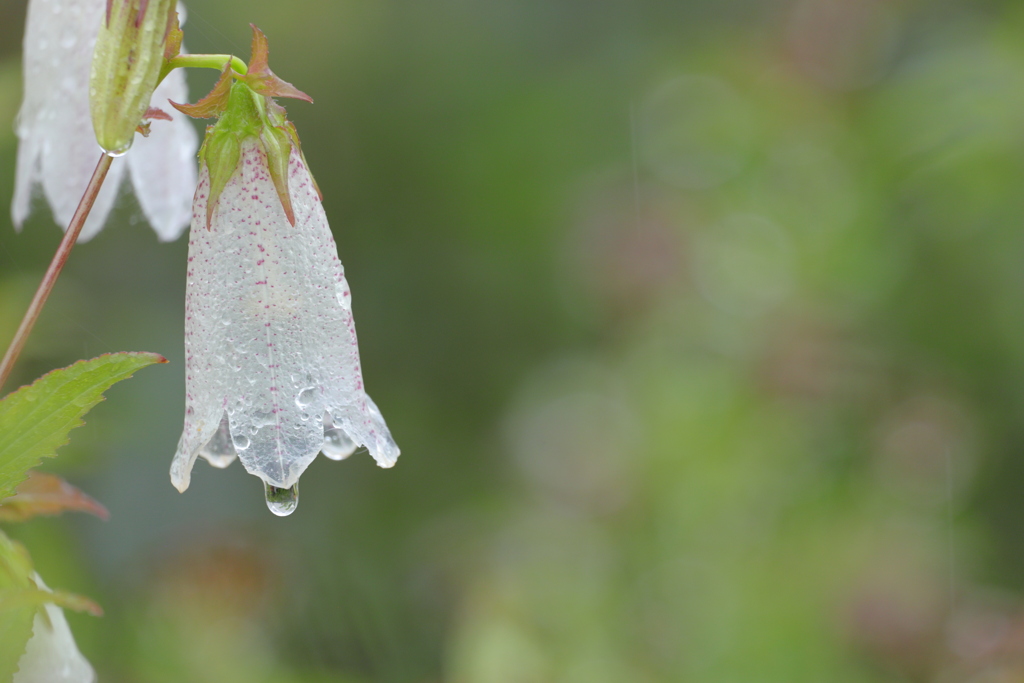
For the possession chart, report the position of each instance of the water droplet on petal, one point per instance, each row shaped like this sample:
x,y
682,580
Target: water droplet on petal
x,y
337,444
241,441
282,502
342,293
305,397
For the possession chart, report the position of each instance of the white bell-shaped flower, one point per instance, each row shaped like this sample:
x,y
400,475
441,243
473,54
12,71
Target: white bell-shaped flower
x,y
271,358
51,655
57,147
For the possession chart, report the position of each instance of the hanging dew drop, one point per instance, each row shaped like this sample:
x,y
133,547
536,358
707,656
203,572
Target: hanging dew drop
x,y
282,502
337,445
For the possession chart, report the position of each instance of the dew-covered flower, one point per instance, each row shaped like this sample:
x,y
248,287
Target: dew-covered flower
x,y
51,655
57,146
271,358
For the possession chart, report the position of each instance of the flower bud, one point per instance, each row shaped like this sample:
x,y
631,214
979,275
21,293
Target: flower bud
x,y
126,66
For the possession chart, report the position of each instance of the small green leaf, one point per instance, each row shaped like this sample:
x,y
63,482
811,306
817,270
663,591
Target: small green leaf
x,y
21,599
73,601
35,419
18,604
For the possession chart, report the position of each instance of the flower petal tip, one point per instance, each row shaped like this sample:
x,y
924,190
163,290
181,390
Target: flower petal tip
x,y
181,471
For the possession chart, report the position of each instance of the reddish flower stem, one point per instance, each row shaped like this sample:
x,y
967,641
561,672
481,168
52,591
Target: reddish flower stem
x,y
56,265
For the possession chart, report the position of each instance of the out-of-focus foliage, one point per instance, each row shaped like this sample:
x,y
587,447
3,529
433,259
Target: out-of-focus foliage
x,y
34,423
700,325
19,600
46,494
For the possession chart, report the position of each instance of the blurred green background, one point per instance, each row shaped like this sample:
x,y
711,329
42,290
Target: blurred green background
x,y
700,325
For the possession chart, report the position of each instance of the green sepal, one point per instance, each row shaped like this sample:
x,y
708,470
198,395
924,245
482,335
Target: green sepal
x,y
221,152
245,106
216,101
278,146
172,46
278,116
126,67
246,114
261,79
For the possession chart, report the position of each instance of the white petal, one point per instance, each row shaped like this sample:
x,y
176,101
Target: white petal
x,y
57,144
58,147
25,177
69,157
269,334
163,166
51,655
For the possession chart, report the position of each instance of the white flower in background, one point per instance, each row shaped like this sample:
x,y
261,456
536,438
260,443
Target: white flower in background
x,y
272,370
51,655
57,146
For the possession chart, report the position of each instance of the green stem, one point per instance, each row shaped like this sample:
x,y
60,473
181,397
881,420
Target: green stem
x,y
209,62
56,265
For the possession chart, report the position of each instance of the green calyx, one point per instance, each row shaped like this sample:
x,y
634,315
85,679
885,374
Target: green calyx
x,y
131,48
242,102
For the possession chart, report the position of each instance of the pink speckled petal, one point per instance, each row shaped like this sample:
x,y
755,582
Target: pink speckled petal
x,y
269,335
69,157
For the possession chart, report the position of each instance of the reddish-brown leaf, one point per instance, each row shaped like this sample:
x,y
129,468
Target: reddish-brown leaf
x,y
46,494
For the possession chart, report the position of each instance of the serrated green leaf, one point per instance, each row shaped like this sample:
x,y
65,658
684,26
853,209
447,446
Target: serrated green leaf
x,y
35,419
